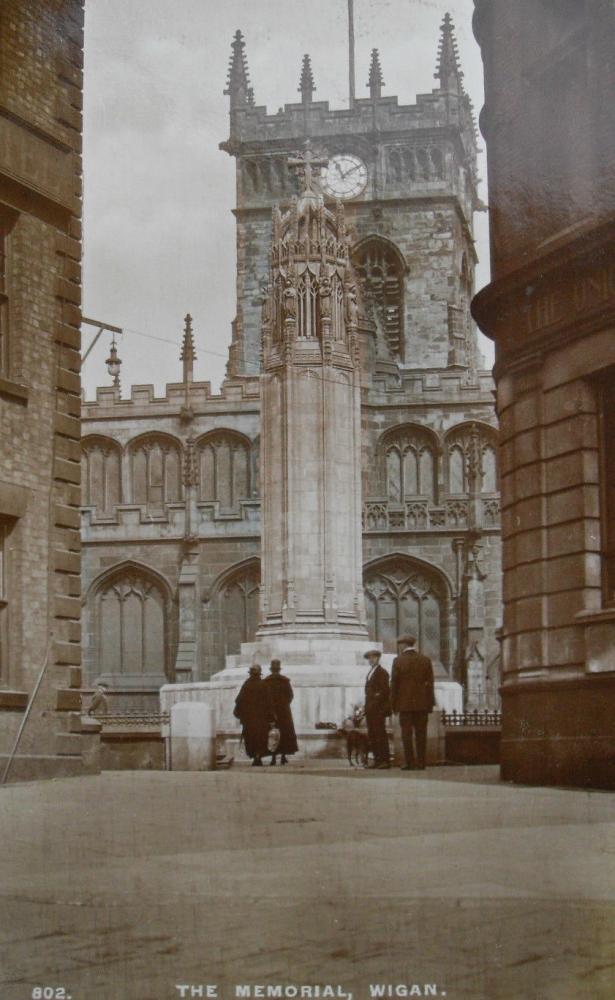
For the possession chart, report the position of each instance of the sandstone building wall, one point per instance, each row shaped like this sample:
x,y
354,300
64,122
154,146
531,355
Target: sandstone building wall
x,y
550,309
41,61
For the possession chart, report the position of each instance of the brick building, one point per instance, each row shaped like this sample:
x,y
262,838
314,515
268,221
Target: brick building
x,y
41,59
171,518
550,309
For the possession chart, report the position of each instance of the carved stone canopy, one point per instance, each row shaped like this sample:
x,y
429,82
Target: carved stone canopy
x,y
312,291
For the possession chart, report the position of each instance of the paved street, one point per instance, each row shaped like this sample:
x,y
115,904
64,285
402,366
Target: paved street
x,y
125,885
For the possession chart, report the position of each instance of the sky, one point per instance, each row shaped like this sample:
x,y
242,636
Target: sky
x,y
159,236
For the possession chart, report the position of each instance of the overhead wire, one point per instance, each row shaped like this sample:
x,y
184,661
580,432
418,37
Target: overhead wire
x,y
219,354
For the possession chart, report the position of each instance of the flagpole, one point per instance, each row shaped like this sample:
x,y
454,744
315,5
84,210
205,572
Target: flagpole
x,y
351,53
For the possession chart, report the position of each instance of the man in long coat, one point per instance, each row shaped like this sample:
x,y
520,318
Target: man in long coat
x,y
377,708
281,694
254,710
412,695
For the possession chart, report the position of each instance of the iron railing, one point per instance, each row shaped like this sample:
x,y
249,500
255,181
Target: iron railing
x,y
484,719
133,718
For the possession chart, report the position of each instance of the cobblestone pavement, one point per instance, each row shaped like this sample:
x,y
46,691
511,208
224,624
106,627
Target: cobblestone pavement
x,y
131,884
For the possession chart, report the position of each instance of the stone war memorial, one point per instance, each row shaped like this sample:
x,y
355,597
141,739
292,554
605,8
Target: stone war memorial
x,y
341,488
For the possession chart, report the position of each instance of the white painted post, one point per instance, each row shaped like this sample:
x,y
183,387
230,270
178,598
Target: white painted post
x,y
193,736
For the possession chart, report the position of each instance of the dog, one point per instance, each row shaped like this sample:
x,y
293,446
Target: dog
x,y
356,738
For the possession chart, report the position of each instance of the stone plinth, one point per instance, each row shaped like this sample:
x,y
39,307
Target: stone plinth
x,y
328,679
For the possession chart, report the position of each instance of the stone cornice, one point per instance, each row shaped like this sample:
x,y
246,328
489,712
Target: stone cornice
x,y
563,293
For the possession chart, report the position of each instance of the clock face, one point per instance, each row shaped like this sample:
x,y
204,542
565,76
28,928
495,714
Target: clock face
x,y
345,176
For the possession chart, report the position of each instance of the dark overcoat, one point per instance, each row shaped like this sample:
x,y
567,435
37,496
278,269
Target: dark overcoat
x,y
412,683
281,694
254,710
377,692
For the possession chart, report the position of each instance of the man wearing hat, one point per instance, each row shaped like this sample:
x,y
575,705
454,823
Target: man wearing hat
x,y
377,708
281,695
412,696
254,710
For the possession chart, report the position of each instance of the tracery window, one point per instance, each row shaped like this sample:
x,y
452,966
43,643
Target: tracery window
x,y
155,466
381,274
437,162
405,597
101,474
230,615
411,465
489,471
471,463
307,290
409,160
225,474
395,164
132,619
239,608
422,158
339,319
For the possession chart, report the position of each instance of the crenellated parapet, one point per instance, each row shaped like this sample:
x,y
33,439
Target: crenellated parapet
x,y
143,400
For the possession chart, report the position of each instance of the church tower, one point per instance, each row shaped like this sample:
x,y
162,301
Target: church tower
x,y
407,175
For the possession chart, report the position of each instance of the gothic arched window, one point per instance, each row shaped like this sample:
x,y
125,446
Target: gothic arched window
x,y
155,472
423,163
404,596
380,269
281,171
395,164
411,464
409,163
490,479
253,176
457,478
101,461
239,608
471,462
437,161
338,323
307,319
132,624
224,464
231,614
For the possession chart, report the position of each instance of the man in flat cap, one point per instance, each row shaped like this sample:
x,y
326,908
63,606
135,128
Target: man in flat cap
x,y
281,694
377,709
254,710
412,696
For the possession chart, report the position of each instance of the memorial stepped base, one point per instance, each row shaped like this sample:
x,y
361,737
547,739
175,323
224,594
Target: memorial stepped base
x,y
328,679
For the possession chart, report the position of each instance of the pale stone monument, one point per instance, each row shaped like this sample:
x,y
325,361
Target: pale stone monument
x,y
312,600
